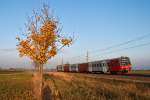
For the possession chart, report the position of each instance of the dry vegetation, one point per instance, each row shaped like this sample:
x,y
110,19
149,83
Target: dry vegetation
x,y
72,86
15,85
140,72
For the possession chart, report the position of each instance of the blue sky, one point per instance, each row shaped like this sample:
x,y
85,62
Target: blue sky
x,y
96,24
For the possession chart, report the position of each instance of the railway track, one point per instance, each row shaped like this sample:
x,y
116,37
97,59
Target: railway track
x,y
122,77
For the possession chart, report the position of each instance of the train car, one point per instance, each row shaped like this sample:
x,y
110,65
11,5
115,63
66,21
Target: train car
x,y
73,68
121,64
83,67
66,67
115,65
98,66
60,68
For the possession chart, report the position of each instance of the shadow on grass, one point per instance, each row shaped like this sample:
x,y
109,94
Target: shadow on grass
x,y
120,74
47,94
136,75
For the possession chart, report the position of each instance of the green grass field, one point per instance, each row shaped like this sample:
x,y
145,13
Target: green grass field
x,y
15,85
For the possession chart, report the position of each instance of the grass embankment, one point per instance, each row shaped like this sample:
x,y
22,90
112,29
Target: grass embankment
x,y
140,72
15,85
68,86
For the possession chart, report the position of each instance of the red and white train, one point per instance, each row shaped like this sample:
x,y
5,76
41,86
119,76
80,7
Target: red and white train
x,y
115,65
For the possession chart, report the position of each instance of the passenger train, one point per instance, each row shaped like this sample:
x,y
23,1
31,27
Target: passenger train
x,y
113,66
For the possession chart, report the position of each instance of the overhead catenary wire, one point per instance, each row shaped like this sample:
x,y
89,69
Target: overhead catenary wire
x,y
114,46
123,43
118,50
122,49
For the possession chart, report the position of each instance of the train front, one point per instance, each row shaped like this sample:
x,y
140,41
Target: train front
x,y
125,64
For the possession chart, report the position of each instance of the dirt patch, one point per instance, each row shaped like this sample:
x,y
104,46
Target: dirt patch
x,y
50,83
47,93
49,90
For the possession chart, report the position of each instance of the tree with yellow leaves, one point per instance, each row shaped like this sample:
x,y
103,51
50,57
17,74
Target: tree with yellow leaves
x,y
43,39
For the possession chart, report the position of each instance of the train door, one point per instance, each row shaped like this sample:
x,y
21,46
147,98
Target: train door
x,y
90,67
99,66
95,67
69,67
104,66
59,68
73,67
76,67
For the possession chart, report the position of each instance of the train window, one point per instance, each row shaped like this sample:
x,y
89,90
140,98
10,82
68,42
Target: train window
x,y
92,65
104,64
125,61
101,65
97,65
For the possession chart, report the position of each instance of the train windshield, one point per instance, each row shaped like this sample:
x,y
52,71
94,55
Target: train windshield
x,y
125,61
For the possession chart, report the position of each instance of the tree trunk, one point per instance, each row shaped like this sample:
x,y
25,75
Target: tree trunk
x,y
39,71
41,80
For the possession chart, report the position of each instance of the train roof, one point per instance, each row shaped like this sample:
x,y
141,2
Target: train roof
x,y
96,61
